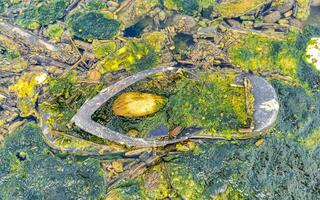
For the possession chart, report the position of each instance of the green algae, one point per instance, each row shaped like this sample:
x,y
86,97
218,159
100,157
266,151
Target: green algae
x,y
10,55
28,168
259,53
54,32
135,55
229,9
226,111
155,182
189,7
299,110
104,48
209,173
42,14
131,189
93,25
281,169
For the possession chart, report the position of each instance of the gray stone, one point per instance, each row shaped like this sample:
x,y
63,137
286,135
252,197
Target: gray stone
x,y
234,23
296,23
112,4
285,6
272,17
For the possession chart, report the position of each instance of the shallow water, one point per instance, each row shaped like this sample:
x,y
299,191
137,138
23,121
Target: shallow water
x,y
314,17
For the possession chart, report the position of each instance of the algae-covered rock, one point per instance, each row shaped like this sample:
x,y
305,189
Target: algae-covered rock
x,y
103,48
137,104
135,55
188,7
259,53
303,9
41,14
231,8
210,103
93,25
10,56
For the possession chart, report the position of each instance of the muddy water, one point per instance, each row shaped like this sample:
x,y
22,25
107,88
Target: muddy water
x,y
314,17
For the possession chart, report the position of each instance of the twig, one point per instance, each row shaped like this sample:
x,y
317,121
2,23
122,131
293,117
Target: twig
x,y
46,61
276,35
71,7
136,169
124,4
25,37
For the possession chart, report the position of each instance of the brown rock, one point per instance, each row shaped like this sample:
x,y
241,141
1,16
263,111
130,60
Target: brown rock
x,y
295,23
272,17
285,6
176,131
288,14
283,22
117,166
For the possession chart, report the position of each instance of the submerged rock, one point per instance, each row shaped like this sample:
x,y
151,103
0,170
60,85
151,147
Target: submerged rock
x,y
137,104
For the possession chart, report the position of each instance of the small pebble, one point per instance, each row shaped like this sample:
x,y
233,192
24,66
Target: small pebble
x,y
272,17
288,14
117,166
259,142
112,4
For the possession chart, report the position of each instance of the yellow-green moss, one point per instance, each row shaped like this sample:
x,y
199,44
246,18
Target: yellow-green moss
x,y
155,39
11,60
103,48
230,9
210,103
134,55
25,89
312,140
303,9
184,184
155,183
54,32
259,53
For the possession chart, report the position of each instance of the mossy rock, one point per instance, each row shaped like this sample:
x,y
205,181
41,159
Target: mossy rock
x,y
42,14
230,8
135,55
259,53
93,25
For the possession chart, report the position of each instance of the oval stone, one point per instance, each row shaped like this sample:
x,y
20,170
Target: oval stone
x,y
137,104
